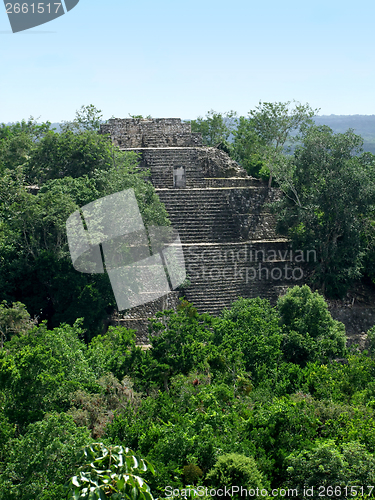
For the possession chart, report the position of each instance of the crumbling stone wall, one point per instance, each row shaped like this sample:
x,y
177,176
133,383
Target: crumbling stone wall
x,y
138,318
216,163
357,321
156,132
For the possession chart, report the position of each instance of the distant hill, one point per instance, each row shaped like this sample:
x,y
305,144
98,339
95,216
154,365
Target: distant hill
x,y
55,126
363,125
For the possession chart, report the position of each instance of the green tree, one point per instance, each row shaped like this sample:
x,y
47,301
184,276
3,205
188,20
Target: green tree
x,y
30,127
86,118
330,468
310,333
319,213
59,155
7,430
113,352
35,263
13,319
277,427
270,126
248,149
96,410
38,463
18,140
180,343
41,370
235,470
215,128
251,327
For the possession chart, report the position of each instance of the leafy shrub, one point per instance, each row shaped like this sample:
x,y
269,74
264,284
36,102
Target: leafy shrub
x,y
328,465
279,427
7,430
310,332
234,469
41,370
113,352
352,381
110,472
96,411
192,473
38,463
181,342
250,326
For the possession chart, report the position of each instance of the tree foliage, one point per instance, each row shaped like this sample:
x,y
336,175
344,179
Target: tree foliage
x,y
310,333
68,154
73,168
237,470
329,167
250,327
13,320
329,468
18,140
87,118
39,462
180,342
41,370
215,128
110,472
248,149
263,136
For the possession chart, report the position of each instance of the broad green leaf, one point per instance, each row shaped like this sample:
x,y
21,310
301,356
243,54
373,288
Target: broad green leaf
x,y
75,481
120,484
134,493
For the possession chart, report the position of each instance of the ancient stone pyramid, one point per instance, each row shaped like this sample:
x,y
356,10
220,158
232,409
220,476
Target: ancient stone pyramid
x,y
228,234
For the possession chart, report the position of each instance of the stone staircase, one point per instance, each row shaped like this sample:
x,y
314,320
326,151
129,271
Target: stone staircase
x,y
210,215
157,140
220,273
231,182
161,161
229,242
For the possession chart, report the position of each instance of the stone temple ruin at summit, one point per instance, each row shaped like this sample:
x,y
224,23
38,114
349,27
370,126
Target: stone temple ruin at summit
x,y
227,231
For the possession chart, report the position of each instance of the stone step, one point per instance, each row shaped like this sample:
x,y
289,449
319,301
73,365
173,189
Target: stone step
x,y
232,182
179,213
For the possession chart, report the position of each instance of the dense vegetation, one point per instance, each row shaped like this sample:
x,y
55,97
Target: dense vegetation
x,y
260,397
72,169
252,398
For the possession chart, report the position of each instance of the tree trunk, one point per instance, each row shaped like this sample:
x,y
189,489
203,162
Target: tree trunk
x,y
270,181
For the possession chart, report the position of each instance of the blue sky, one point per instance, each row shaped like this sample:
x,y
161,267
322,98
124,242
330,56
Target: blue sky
x,y
181,59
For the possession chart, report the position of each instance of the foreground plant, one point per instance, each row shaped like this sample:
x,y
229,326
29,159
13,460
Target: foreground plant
x,y
110,473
